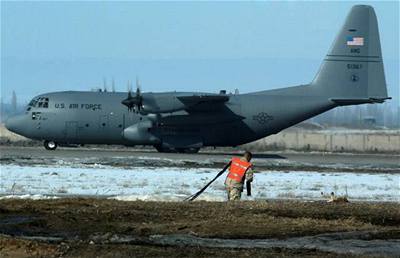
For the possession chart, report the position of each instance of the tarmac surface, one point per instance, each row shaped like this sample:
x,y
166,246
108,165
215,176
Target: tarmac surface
x,y
291,161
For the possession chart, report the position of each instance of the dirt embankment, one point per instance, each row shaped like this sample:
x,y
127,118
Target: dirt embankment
x,y
95,227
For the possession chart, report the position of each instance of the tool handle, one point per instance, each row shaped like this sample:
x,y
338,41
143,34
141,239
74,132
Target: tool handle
x,y
194,196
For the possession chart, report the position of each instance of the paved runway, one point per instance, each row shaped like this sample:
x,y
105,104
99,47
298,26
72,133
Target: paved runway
x,y
290,161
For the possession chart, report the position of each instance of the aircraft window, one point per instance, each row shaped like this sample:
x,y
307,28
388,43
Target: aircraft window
x,y
35,115
33,103
42,102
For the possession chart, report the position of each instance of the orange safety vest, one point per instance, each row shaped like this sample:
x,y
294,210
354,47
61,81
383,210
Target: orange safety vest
x,y
238,169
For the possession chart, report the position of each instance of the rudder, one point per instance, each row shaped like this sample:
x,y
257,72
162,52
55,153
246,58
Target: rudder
x,y
353,67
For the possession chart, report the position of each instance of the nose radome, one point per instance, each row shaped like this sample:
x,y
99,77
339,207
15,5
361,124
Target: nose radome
x,y
15,124
9,124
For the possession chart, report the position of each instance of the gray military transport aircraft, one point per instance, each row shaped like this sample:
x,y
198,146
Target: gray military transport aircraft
x,y
352,73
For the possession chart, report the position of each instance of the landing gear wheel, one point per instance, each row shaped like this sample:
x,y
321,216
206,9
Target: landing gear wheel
x,y
193,150
50,145
188,150
162,149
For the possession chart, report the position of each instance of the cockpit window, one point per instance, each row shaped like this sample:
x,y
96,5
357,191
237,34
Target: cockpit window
x,y
40,102
32,103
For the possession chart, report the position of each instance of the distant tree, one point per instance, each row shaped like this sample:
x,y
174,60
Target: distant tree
x,y
104,84
372,110
388,120
397,114
113,85
359,115
14,102
1,108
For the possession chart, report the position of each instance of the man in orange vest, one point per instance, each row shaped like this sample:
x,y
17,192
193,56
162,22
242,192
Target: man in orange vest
x,y
239,170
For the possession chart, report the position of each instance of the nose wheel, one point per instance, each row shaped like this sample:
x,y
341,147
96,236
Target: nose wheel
x,y
50,145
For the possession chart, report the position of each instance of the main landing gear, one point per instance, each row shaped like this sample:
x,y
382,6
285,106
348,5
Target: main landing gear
x,y
50,145
176,150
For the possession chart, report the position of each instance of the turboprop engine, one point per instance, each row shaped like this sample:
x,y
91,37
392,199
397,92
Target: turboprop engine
x,y
167,103
150,103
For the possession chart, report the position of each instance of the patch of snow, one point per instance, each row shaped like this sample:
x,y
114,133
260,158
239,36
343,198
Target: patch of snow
x,y
175,184
29,196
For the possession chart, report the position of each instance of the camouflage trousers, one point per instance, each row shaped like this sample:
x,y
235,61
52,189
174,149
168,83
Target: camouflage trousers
x,y
234,193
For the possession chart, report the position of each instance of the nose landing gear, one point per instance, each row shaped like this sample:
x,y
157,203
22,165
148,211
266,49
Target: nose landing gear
x,y
50,145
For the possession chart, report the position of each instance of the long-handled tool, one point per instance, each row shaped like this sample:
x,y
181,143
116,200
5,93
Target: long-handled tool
x,y
194,196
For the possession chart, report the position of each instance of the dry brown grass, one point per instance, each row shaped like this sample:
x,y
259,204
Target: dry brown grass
x,y
82,218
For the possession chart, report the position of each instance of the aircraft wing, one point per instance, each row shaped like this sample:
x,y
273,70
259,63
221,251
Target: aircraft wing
x,y
203,102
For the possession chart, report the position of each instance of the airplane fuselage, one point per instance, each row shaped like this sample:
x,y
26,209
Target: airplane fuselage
x,y
75,117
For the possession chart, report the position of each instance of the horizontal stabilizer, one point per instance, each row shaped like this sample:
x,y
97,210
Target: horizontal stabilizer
x,y
345,102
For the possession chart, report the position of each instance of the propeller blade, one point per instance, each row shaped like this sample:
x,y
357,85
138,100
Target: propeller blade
x,y
129,86
138,86
134,102
139,98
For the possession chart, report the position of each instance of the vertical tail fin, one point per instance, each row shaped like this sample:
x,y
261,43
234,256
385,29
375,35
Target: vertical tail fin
x,y
353,67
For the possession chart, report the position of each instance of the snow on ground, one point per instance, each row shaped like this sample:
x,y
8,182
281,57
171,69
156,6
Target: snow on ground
x,y
175,184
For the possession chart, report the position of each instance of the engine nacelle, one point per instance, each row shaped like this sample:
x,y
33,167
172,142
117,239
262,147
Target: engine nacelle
x,y
160,104
140,133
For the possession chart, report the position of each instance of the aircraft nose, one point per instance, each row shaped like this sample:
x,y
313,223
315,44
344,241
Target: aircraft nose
x,y
15,124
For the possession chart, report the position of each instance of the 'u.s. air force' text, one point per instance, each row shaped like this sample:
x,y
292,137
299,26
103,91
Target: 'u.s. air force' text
x,y
88,106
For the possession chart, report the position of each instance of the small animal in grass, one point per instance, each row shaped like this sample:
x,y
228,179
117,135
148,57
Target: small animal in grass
x,y
333,198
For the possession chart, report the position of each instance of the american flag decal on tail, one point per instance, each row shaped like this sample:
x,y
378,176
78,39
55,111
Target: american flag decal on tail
x,y
355,41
